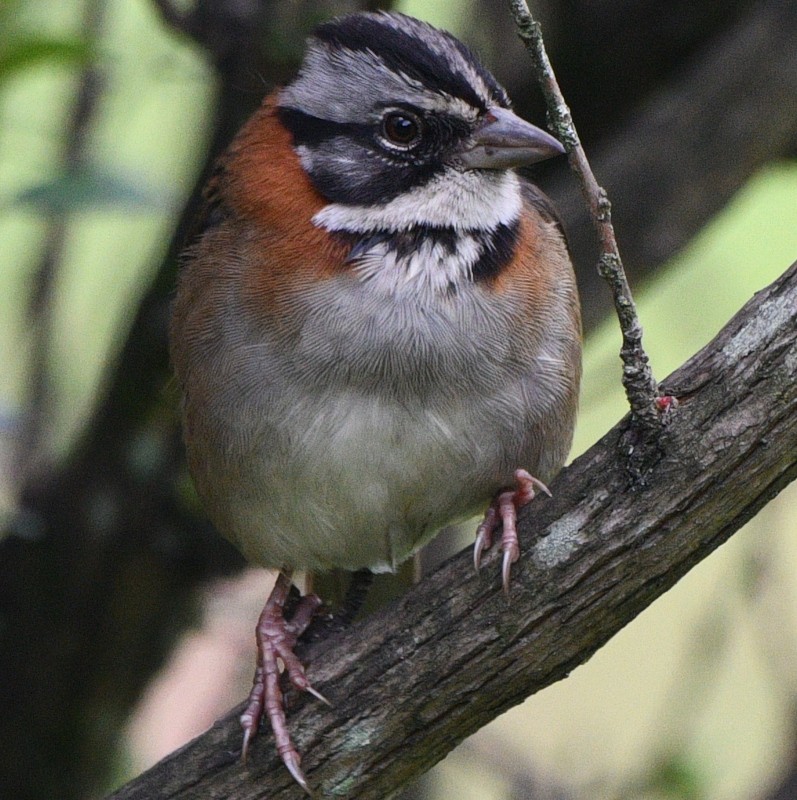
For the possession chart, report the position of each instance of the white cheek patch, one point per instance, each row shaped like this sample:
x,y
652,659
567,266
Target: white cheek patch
x,y
305,157
470,200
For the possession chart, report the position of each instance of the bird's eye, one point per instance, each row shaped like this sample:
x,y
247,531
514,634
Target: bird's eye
x,y
401,128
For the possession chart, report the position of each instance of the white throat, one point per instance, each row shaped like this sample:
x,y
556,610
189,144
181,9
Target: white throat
x,y
463,200
472,204
431,269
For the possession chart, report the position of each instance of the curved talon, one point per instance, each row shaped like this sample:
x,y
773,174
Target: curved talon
x,y
506,569
250,719
292,764
478,548
317,695
247,739
484,535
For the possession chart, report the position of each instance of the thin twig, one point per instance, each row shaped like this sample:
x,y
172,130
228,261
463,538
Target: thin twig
x,y
641,388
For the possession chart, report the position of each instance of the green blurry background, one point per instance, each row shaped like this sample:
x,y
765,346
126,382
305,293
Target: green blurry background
x,y
697,698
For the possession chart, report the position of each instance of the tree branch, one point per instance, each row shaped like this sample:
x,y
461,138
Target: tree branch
x,y
411,682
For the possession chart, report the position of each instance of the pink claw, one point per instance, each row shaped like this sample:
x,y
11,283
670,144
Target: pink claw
x,y
503,511
276,639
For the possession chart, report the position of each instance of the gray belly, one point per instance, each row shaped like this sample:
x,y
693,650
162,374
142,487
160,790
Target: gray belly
x,y
383,423
363,481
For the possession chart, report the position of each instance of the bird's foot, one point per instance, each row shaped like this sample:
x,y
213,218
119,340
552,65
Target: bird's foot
x,y
276,639
502,512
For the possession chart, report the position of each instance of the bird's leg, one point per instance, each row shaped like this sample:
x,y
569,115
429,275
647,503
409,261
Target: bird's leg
x,y
503,512
355,596
276,638
329,621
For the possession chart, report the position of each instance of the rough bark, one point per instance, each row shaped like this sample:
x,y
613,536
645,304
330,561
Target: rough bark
x,y
624,525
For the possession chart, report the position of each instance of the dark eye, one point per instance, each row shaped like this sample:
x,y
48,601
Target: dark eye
x,y
401,128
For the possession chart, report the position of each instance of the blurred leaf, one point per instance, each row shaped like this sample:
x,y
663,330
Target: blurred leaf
x,y
676,777
22,54
90,189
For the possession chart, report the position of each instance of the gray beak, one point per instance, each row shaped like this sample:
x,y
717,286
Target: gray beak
x,y
503,140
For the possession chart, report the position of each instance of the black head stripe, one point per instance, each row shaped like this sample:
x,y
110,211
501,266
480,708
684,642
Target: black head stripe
x,y
497,92
402,50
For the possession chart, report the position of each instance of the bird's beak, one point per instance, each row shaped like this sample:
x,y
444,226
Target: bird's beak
x,y
503,140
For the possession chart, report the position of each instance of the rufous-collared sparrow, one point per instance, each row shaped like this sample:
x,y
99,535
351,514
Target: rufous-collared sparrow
x,y
378,326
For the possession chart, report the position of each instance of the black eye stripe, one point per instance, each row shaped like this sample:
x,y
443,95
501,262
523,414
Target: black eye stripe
x,y
442,130
309,130
386,175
